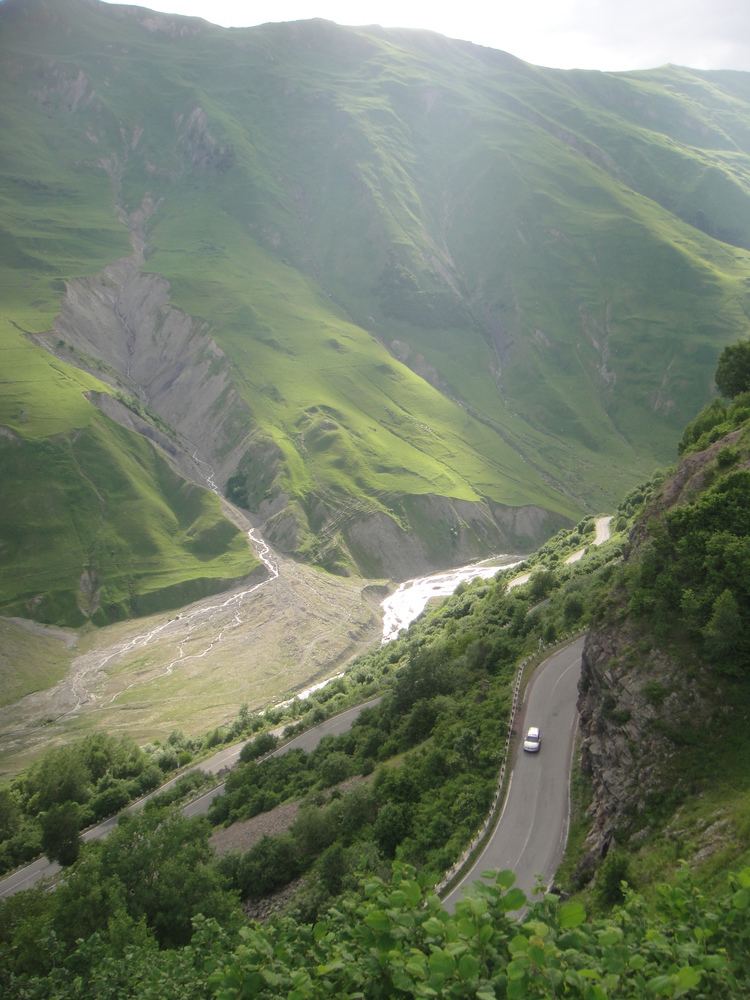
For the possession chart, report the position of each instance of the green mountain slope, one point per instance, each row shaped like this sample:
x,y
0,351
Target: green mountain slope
x,y
96,525
443,300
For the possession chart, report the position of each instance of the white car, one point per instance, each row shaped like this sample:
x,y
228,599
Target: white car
x,y
533,740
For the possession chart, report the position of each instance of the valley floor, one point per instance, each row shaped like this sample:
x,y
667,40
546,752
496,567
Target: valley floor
x,y
192,670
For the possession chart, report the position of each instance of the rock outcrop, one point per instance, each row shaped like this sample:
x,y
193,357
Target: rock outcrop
x,y
637,706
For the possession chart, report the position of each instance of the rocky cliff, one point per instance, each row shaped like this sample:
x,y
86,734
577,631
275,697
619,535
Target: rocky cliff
x,y
655,694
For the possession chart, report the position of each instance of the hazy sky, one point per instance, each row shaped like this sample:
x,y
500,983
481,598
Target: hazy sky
x,y
592,34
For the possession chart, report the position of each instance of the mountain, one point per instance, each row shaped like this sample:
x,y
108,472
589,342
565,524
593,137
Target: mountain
x,y
409,298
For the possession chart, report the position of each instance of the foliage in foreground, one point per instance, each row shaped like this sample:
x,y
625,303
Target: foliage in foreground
x,y
395,940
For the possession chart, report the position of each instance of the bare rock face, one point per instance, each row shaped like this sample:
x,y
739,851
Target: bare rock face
x,y
122,318
623,751
639,709
460,531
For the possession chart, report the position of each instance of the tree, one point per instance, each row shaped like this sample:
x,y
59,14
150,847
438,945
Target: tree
x,y
392,826
259,747
10,814
60,776
542,582
724,632
333,868
572,609
733,370
60,826
164,864
614,871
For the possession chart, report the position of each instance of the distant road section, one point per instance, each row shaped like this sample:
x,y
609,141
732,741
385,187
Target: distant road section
x,y
533,827
305,741
603,532
42,868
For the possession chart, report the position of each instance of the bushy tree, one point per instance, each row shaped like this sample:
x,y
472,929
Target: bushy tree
x,y
259,747
733,370
572,609
60,832
724,633
164,864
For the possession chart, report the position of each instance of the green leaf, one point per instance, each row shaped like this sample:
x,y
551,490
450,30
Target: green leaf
x,y
441,963
516,989
741,899
687,978
401,980
517,968
468,966
433,927
505,878
537,927
537,953
554,976
412,892
324,970
514,899
715,962
571,914
519,945
610,936
466,927
378,920
416,965
485,933
743,877
661,986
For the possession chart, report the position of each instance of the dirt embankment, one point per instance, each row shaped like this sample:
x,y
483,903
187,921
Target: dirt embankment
x,y
246,833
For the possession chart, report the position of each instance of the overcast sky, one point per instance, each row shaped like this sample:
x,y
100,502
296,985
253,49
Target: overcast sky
x,y
591,34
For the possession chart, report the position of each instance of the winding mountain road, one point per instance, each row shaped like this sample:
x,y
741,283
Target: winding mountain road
x,y
531,833
532,830
42,868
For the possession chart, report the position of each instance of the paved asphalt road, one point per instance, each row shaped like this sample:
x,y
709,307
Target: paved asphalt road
x,y
530,836
305,741
533,827
28,876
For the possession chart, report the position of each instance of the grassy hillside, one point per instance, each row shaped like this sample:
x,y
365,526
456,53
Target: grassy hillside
x,y
96,525
435,271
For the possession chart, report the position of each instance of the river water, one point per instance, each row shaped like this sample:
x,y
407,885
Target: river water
x,y
410,599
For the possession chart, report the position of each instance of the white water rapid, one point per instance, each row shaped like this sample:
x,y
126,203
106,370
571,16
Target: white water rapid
x,y
410,599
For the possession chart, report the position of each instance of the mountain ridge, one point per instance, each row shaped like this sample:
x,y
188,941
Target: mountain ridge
x,y
485,268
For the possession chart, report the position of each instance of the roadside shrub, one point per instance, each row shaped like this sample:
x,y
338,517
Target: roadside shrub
x,y
258,747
